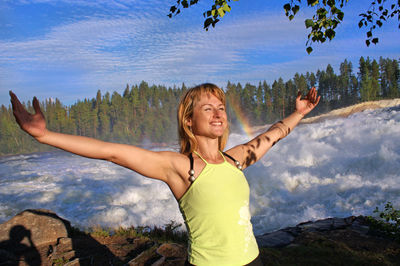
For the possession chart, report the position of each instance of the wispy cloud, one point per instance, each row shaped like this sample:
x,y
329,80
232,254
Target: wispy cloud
x,y
138,42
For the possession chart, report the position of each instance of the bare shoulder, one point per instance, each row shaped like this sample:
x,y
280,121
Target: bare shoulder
x,y
244,153
177,178
179,163
172,155
237,151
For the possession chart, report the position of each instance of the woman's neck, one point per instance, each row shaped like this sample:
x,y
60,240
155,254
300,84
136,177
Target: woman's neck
x,y
209,150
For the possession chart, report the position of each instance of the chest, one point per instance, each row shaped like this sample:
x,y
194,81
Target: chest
x,y
218,186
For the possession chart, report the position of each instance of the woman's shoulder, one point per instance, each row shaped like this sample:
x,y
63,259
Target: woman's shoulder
x,y
178,160
173,154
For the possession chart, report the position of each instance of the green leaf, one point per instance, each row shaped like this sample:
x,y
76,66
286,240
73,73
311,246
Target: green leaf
x,y
309,50
221,12
340,15
309,23
367,42
226,8
360,24
291,17
331,3
369,34
295,9
208,22
375,40
330,33
312,2
286,7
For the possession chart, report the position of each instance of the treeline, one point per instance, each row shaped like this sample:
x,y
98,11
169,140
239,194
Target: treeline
x,y
148,113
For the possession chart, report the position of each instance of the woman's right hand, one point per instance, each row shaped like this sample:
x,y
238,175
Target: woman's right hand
x,y
34,125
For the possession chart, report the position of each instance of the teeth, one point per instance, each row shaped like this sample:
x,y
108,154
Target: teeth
x,y
217,123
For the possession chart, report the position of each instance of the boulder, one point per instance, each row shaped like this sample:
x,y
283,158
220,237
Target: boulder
x,y
172,250
275,239
34,227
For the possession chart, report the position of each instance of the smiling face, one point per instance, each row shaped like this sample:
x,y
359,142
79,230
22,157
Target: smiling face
x,y
209,117
201,111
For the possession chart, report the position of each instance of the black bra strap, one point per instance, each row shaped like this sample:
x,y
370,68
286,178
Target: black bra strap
x,y
230,157
192,163
191,160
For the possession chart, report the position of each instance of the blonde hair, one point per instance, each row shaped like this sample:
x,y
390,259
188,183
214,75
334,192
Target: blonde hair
x,y
187,141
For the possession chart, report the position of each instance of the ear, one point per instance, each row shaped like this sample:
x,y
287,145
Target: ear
x,y
189,122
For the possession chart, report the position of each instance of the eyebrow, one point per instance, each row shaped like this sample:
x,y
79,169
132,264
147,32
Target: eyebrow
x,y
212,105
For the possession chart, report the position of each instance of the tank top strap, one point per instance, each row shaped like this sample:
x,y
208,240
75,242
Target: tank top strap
x,y
222,154
200,157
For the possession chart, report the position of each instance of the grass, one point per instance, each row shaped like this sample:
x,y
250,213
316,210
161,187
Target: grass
x,y
168,233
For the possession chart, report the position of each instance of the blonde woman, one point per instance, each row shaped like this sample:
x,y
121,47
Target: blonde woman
x,y
209,184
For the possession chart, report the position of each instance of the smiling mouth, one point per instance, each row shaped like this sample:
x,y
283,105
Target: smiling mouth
x,y
216,123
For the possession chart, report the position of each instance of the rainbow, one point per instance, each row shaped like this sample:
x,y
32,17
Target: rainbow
x,y
243,121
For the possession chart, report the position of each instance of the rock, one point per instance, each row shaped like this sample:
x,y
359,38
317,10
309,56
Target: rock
x,y
320,225
29,234
285,237
172,250
147,257
172,254
64,245
275,239
339,223
359,226
37,227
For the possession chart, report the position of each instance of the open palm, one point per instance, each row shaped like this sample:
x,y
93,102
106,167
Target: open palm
x,y
33,124
304,106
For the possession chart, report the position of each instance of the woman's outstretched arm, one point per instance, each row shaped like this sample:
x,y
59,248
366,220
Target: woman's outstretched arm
x,y
252,151
148,163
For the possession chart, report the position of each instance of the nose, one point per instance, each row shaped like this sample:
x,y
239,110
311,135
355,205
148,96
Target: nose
x,y
217,112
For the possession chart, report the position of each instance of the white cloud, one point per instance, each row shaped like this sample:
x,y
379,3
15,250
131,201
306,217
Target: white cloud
x,y
106,51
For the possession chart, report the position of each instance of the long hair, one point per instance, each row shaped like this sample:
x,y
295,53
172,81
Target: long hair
x,y
188,142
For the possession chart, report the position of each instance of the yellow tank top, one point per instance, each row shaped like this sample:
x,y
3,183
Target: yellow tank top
x,y
216,213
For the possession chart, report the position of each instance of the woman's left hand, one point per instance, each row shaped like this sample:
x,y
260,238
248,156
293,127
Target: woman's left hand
x,y
304,106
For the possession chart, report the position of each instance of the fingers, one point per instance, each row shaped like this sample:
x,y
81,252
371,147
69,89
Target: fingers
x,y
36,106
319,97
298,95
16,104
314,97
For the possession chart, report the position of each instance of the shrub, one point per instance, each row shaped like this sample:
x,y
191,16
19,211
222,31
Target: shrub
x,y
388,221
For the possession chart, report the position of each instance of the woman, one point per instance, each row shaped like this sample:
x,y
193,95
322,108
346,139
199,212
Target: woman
x,y
209,185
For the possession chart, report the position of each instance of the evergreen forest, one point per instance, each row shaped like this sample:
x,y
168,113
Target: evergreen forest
x,y
147,114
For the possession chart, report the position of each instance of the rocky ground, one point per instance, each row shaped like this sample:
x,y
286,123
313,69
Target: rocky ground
x,y
40,237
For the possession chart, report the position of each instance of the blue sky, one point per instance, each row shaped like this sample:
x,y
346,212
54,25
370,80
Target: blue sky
x,y
69,49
